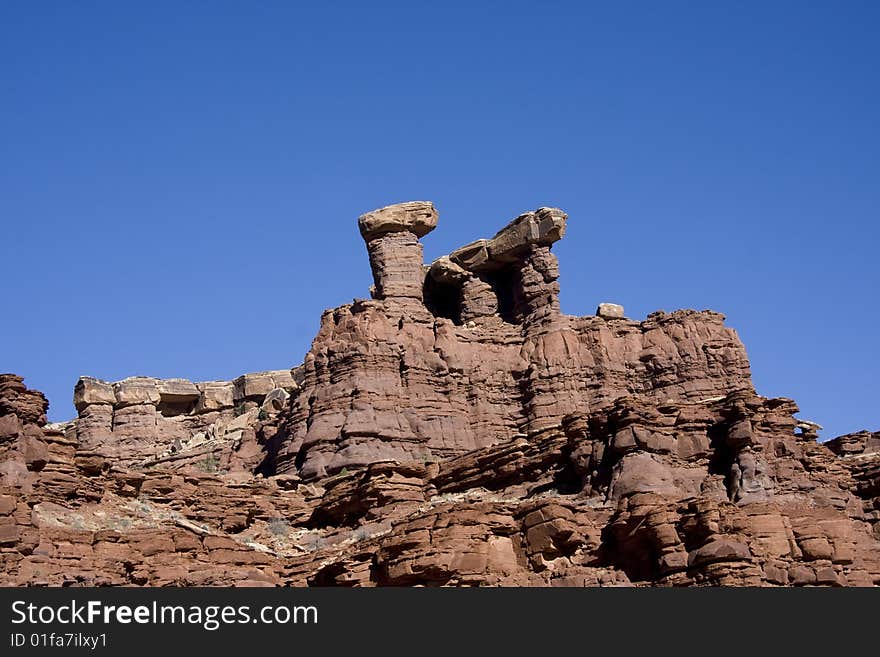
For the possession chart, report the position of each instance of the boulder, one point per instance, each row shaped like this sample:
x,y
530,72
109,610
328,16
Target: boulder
x,y
255,385
177,391
89,390
215,396
444,270
473,256
610,311
416,217
136,390
541,228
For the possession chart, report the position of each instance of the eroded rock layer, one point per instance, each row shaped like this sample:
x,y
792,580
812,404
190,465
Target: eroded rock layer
x,y
454,429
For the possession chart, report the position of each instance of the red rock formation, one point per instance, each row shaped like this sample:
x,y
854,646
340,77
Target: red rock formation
x,y
489,355
455,429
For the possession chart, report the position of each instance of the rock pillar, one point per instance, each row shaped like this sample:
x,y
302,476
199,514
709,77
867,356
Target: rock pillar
x,y
392,235
537,288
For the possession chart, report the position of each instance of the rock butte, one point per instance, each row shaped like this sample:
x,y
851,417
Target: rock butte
x,y
455,429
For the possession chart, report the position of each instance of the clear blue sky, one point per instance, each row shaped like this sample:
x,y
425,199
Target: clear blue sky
x,y
180,181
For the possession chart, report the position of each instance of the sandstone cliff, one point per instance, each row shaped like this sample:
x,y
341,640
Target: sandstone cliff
x,y
454,429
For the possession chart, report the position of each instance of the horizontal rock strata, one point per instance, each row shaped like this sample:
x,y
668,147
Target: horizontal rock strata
x,y
455,429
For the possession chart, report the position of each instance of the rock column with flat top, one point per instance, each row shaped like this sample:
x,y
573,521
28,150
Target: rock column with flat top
x,y
392,235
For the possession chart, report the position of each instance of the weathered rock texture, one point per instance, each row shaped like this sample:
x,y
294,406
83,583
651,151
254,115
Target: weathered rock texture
x,y
143,421
454,429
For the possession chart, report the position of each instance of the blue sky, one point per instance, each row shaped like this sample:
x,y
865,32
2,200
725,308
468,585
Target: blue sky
x,y
180,181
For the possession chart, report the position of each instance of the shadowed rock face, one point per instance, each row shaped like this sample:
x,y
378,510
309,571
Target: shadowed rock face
x,y
454,429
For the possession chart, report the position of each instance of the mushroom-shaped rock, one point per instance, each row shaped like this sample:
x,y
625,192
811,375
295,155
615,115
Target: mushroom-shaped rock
x,y
392,235
417,217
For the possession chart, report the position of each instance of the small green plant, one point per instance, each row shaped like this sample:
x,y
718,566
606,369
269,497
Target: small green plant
x,y
209,464
241,409
343,472
262,415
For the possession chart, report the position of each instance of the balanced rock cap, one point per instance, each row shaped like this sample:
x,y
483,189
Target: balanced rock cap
x,y
89,390
417,217
542,227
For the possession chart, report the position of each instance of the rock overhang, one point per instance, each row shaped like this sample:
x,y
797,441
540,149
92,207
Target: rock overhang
x,y
416,217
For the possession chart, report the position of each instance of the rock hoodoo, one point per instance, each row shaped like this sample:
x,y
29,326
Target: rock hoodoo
x,y
456,428
487,356
392,236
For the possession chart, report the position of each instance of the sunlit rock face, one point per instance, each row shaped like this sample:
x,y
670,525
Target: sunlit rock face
x,y
473,349
453,429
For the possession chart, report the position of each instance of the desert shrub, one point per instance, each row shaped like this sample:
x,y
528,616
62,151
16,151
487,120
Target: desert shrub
x,y
278,527
209,464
